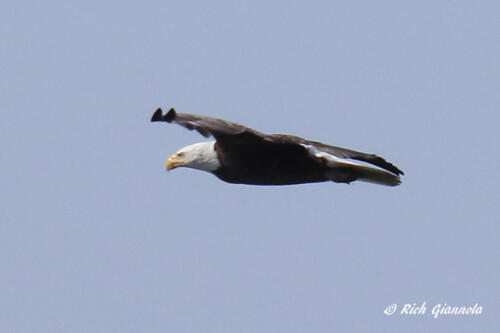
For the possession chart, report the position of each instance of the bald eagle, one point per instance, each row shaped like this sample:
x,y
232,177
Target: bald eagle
x,y
241,155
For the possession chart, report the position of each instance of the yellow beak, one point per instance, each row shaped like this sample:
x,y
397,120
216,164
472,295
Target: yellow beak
x,y
173,162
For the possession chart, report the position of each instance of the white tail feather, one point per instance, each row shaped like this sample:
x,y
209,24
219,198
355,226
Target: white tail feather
x,y
345,171
377,176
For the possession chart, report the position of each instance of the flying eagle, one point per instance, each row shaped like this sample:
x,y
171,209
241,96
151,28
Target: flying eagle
x,y
242,155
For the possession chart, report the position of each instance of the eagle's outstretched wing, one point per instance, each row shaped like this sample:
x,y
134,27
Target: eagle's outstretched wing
x,y
206,126
340,152
356,155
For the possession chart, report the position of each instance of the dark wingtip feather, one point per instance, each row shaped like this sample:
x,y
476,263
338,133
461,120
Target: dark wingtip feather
x,y
380,162
170,116
159,116
395,170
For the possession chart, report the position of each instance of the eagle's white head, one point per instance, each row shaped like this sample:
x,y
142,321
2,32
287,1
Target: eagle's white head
x,y
201,156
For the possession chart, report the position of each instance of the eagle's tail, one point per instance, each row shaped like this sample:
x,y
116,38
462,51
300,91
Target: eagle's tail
x,y
346,172
342,170
375,175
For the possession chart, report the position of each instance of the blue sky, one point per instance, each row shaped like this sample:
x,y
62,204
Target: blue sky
x,y
97,237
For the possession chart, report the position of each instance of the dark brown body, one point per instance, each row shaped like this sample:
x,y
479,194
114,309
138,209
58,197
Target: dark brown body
x,y
273,165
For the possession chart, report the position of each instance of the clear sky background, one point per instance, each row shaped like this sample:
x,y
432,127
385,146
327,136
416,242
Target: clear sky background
x,y
95,235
